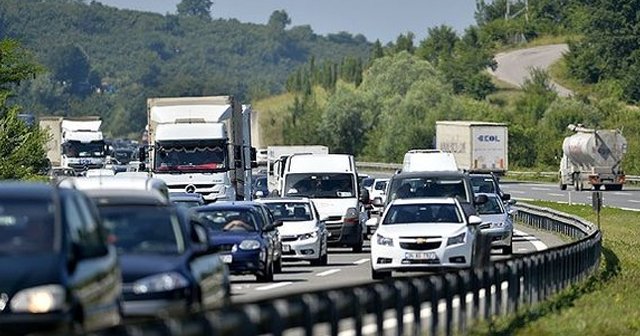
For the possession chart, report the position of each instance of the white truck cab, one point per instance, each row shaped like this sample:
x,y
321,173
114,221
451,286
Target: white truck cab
x,y
331,181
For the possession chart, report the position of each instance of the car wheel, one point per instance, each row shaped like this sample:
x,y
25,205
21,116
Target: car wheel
x,y
508,249
322,261
277,267
267,274
357,248
379,275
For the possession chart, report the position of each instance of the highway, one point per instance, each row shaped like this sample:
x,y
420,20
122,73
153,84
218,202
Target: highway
x,y
346,268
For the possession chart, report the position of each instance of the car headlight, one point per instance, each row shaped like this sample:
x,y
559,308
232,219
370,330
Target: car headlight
x,y
160,283
310,235
41,299
249,244
384,241
458,239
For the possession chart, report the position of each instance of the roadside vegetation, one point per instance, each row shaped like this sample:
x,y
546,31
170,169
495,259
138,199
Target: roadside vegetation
x,y
606,304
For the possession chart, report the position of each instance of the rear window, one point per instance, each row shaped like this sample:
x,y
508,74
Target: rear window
x,y
380,185
483,185
290,211
230,219
419,187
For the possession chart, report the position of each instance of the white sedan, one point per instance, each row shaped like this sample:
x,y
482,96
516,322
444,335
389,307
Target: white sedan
x,y
423,234
303,234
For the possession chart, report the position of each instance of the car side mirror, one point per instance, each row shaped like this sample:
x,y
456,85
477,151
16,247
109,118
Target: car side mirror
x,y
259,193
475,220
506,197
481,199
512,202
278,223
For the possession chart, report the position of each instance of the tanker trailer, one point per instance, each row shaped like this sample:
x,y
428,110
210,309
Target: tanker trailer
x,y
592,159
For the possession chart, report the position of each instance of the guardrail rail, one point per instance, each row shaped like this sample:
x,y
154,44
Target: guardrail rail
x,y
432,304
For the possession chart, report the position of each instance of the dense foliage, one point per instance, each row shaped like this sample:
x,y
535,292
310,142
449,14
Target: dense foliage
x,y
21,146
106,61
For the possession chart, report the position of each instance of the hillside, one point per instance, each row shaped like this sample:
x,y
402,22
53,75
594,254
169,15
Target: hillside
x,y
107,61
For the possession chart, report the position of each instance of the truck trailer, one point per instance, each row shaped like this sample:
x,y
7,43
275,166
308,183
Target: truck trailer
x,y
201,145
478,147
592,158
75,142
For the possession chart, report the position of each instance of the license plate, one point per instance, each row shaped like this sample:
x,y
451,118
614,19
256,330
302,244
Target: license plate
x,y
227,259
286,248
421,255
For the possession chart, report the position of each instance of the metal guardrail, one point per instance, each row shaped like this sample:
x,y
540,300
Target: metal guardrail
x,y
435,304
396,166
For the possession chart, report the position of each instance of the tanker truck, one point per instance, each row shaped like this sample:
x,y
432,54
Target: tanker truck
x,y
592,159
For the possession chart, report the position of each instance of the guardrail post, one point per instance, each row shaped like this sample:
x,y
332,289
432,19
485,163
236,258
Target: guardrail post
x,y
476,276
416,288
334,299
358,311
435,284
487,280
310,306
464,285
449,287
399,300
378,291
498,273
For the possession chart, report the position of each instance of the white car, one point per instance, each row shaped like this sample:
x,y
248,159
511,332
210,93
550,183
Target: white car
x,y
303,234
497,221
423,234
378,190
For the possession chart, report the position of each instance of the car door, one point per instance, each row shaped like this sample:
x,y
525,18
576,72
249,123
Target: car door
x,y
274,235
94,273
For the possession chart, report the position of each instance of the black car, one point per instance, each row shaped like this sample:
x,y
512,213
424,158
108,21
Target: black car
x,y
167,266
57,271
238,231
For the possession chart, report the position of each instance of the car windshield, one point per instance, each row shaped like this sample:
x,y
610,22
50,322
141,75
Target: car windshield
x,y
380,185
321,185
418,187
422,213
229,220
493,206
124,156
143,229
483,184
26,226
290,211
185,157
260,182
367,182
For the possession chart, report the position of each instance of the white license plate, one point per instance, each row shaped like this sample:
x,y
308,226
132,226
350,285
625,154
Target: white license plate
x,y
421,255
227,259
286,248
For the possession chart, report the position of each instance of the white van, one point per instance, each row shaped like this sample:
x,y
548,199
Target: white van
x,y
428,160
331,181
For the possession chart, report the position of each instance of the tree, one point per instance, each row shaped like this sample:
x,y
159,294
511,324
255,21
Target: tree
x,y
21,147
439,44
196,8
279,20
404,42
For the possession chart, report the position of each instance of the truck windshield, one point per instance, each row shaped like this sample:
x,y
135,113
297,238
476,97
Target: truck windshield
x,y
79,149
418,187
190,158
320,185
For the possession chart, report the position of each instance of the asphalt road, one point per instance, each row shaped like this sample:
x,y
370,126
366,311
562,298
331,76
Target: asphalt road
x,y
628,199
514,66
346,268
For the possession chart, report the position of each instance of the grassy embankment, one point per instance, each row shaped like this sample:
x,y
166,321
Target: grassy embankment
x,y
607,304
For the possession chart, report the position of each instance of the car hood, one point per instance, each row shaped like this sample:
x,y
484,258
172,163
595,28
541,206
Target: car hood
x,y
497,218
418,229
224,238
137,266
19,272
328,207
296,228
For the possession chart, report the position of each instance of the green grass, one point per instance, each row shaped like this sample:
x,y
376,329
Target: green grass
x,y
606,304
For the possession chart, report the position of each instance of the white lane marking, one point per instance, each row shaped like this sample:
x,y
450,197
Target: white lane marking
x,y
274,286
628,209
523,249
633,201
531,239
361,261
538,188
552,194
329,272
424,313
622,193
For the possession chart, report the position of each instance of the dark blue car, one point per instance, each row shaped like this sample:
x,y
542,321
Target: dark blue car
x,y
57,272
239,232
168,267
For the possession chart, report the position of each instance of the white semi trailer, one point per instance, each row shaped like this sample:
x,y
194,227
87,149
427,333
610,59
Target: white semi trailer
x,y
592,158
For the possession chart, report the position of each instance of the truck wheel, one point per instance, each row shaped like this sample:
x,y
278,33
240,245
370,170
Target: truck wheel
x,y
563,186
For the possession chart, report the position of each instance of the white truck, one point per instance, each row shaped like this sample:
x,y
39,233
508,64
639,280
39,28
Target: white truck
x,y
277,158
331,181
478,147
592,158
202,145
76,143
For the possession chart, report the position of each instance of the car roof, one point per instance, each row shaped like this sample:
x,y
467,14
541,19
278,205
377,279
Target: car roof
x,y
435,200
20,189
284,199
127,197
417,174
228,205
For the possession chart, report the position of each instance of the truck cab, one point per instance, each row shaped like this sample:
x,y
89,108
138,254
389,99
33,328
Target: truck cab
x,y
331,181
